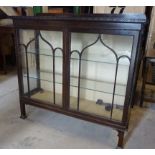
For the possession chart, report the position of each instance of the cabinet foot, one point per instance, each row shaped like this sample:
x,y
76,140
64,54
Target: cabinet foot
x,y
23,116
22,110
120,139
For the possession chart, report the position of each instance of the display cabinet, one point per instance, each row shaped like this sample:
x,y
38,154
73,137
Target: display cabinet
x,y
82,66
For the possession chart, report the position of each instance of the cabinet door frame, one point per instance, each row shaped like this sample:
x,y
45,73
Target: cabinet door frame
x,y
132,67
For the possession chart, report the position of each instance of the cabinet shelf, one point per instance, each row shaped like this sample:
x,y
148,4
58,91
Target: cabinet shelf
x,y
82,78
71,85
87,60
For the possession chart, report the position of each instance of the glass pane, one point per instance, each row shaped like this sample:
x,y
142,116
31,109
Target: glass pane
x,y
99,73
42,65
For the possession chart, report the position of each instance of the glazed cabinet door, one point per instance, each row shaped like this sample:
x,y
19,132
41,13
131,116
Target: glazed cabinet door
x,y
42,65
99,70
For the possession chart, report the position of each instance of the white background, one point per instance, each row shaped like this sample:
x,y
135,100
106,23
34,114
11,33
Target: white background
x,y
78,3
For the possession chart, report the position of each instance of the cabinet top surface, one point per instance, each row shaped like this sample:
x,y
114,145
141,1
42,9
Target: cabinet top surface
x,y
123,18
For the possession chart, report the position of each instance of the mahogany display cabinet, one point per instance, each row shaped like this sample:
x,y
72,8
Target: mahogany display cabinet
x,y
82,66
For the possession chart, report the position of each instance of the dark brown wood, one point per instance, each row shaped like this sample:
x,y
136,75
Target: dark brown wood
x,y
129,25
37,58
142,46
7,29
138,61
115,18
20,75
66,68
120,139
148,12
131,80
143,82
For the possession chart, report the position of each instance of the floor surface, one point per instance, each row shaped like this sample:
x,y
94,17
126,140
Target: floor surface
x,y
46,129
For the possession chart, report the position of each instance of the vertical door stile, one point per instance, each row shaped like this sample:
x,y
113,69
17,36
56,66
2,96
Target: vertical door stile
x,y
66,68
19,63
37,56
20,74
130,82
